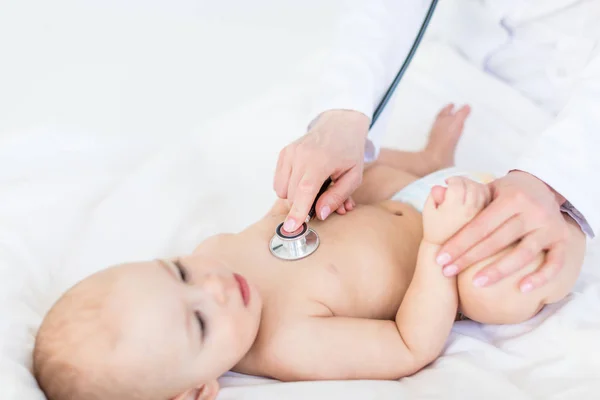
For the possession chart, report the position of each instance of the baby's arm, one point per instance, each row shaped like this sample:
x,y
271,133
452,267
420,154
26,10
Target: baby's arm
x,y
380,183
340,348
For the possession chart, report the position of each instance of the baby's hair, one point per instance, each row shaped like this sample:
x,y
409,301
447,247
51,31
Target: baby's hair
x,y
62,340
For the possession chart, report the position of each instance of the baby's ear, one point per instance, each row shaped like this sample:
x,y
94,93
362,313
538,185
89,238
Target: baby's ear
x,y
208,391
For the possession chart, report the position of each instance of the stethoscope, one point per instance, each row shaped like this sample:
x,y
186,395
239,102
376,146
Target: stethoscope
x,y
304,241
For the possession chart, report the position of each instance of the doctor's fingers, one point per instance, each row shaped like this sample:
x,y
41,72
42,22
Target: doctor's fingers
x,y
348,205
307,167
498,240
339,193
283,172
524,253
299,171
302,192
554,262
483,225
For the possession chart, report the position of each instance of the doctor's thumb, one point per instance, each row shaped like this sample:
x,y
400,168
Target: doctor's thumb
x,y
337,194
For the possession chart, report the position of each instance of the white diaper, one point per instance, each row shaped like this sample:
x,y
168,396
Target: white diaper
x,y
417,192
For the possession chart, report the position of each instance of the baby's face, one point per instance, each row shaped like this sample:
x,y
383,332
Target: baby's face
x,y
185,321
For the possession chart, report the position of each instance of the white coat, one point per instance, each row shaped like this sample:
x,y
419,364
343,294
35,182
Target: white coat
x,y
558,68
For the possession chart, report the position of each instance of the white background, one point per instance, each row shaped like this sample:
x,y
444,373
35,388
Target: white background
x,y
131,130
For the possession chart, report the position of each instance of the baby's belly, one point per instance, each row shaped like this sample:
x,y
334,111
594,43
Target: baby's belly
x,y
363,266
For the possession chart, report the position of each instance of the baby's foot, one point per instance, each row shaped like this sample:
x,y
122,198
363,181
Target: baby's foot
x,y
444,135
447,210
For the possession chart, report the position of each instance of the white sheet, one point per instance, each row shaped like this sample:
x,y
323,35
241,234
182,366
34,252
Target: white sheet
x,y
75,200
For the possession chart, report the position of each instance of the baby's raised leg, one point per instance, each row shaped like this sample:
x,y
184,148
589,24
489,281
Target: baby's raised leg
x,y
394,169
440,149
380,183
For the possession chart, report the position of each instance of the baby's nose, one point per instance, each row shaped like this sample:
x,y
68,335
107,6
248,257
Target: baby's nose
x,y
216,286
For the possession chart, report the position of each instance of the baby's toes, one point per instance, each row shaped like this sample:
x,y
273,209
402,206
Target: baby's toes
x,y
461,115
458,119
446,110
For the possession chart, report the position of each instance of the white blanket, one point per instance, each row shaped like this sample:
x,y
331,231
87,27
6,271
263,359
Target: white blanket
x,y
73,202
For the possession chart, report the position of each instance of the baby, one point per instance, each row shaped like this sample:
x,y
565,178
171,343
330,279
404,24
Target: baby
x,y
370,303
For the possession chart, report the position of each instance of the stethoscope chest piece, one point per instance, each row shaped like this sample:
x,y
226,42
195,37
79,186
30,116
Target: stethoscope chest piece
x,y
295,245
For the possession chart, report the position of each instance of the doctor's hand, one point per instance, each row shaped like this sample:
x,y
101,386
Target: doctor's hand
x,y
523,208
334,147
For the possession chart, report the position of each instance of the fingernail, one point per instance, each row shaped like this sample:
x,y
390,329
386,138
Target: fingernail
x,y
289,225
481,281
443,259
526,287
450,270
325,211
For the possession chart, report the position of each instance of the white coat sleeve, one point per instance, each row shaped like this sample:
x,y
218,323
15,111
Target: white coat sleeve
x,y
372,41
567,155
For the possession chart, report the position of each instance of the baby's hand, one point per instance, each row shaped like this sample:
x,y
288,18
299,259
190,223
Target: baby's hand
x,y
447,210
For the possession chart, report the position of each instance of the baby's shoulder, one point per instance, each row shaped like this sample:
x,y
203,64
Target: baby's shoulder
x,y
212,242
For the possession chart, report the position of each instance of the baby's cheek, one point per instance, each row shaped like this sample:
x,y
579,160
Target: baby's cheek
x,y
233,334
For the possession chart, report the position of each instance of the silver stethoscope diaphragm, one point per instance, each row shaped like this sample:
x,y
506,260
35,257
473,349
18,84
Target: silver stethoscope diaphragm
x,y
294,245
303,241
300,243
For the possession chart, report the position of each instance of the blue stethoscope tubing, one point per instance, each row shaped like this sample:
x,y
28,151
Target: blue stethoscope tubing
x,y
392,88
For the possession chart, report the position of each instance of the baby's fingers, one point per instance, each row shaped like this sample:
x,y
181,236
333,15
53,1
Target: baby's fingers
x,y
438,195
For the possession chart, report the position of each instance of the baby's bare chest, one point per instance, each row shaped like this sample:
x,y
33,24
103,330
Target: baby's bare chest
x,y
365,277
361,268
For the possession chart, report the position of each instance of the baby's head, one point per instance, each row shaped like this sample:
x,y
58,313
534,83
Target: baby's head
x,y
152,330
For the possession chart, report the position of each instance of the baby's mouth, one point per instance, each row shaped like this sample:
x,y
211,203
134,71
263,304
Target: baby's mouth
x,y
244,288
